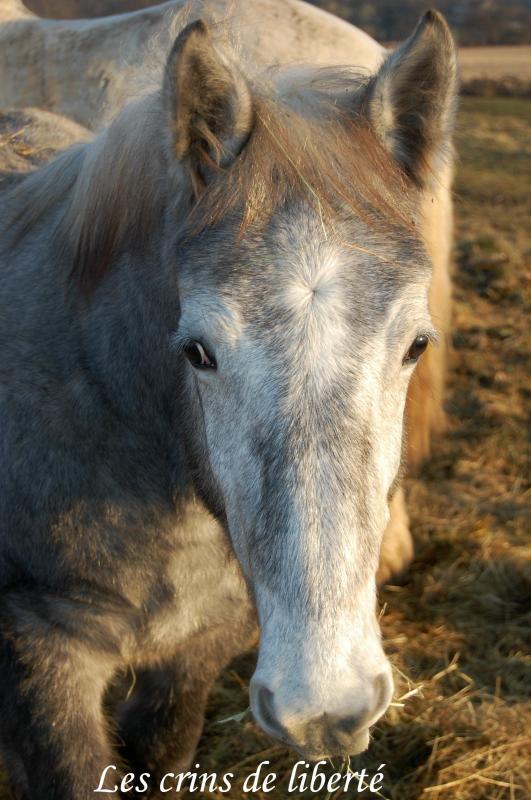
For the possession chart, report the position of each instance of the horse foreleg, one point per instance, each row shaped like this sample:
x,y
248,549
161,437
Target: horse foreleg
x,y
54,736
162,721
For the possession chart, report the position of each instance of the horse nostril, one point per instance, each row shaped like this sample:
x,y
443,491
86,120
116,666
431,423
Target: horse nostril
x,y
347,724
383,691
263,703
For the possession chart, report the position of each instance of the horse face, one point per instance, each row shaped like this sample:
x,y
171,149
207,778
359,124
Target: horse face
x,y
299,351
301,338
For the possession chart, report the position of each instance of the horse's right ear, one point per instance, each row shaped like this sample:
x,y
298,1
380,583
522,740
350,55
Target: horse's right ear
x,y
412,100
208,102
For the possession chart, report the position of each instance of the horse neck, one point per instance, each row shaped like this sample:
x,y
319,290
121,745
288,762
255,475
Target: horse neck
x,y
121,318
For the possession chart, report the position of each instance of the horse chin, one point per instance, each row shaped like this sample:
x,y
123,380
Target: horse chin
x,y
359,745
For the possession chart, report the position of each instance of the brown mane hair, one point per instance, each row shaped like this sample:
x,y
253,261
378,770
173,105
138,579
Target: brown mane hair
x,y
305,143
331,158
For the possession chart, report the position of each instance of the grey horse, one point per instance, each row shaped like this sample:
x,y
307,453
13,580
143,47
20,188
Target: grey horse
x,y
210,315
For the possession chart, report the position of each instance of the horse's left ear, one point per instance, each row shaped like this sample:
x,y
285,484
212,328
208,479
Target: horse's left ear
x,y
209,103
412,99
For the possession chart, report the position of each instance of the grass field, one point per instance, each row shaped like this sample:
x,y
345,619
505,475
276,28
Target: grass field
x,y
458,630
495,62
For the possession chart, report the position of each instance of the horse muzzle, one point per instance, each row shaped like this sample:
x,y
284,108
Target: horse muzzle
x,y
318,733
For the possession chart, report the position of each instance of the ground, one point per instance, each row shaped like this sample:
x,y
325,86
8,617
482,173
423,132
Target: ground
x,y
457,631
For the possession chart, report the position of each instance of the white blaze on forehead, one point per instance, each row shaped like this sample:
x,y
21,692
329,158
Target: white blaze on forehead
x,y
311,279
313,294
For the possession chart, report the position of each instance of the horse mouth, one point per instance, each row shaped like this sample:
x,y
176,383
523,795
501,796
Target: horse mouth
x,y
332,748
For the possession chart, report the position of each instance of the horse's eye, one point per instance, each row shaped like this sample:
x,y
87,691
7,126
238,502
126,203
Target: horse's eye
x,y
416,349
198,356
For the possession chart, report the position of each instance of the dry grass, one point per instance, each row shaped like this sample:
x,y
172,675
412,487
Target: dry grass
x,y
458,630
494,71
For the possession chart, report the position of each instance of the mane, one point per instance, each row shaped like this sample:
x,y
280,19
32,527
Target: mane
x,y
306,143
105,192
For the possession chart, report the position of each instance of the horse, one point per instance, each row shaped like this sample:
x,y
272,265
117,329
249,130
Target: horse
x,y
112,60
212,316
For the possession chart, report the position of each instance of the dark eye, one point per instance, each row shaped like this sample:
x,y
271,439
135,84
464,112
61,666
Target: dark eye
x,y
416,349
198,356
